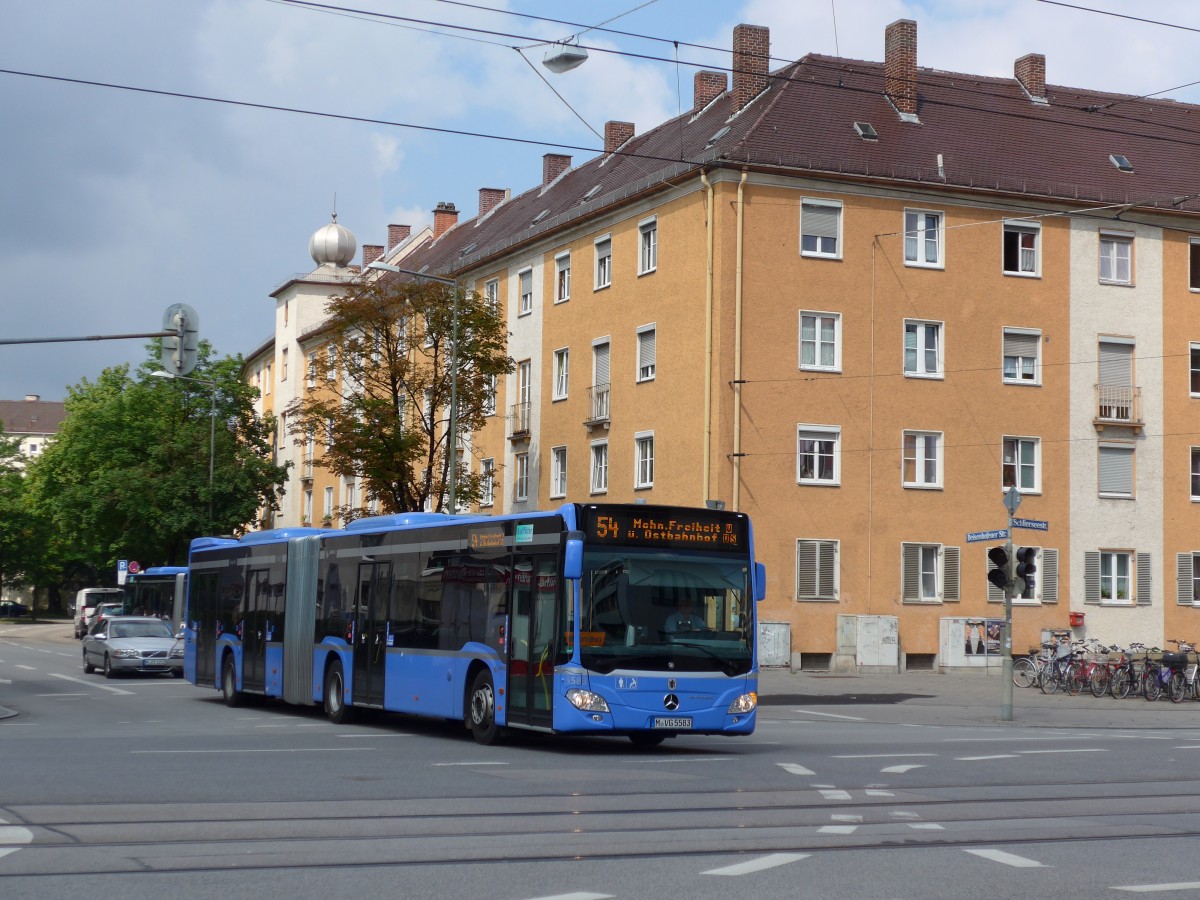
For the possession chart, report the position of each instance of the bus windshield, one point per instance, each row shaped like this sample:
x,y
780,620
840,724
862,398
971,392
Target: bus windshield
x,y
665,611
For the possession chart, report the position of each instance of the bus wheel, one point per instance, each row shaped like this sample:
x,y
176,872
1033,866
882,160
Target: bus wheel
x,y
482,713
233,697
335,695
647,739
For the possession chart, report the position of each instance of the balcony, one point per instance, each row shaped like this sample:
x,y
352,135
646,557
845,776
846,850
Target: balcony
x,y
306,468
597,406
1118,405
518,421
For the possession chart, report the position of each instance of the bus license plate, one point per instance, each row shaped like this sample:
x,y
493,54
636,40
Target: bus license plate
x,y
677,722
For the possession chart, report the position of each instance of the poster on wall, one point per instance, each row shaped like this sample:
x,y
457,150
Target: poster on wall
x,y
981,637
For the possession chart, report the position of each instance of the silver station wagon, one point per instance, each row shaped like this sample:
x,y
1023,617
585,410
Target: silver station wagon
x,y
132,644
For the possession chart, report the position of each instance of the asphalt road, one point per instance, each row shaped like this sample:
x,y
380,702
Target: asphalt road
x,y
852,787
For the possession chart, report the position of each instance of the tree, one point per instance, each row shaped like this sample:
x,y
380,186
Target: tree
x,y
14,518
382,390
127,475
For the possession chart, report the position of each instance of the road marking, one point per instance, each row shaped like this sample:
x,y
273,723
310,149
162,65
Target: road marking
x,y
904,814
578,895
879,794
835,795
1152,888
103,687
846,818
1009,859
837,829
280,750
488,763
80,694
1074,750
28,668
976,758
796,769
926,826
757,865
900,770
809,712
881,755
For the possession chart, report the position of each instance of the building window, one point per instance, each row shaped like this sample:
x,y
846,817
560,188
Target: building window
x,y
562,281
267,379
1116,258
561,372
1021,248
1194,264
306,515
491,293
283,357
489,396
311,379
1187,572
332,355
817,570
648,246
923,349
818,454
1116,470
820,228
600,467
1196,473
1020,467
922,459
327,508
603,262
646,353
521,483
643,460
525,306
1021,356
929,573
1114,576
487,482
821,341
558,472
1042,587
923,238
1194,369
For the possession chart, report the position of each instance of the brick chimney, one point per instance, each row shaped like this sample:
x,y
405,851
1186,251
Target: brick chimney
x,y
1030,71
751,49
900,65
490,198
371,252
616,134
445,217
707,86
397,235
553,165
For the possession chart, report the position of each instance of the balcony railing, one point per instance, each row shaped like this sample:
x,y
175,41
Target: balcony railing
x,y
518,420
597,404
306,468
1118,404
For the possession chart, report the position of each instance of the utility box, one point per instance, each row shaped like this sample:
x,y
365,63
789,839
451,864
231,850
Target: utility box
x,y
970,642
774,644
868,644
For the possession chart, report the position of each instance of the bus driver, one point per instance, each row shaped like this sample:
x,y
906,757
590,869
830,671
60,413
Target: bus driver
x,y
683,619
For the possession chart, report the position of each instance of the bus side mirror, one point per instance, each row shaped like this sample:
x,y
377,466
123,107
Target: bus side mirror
x,y
573,562
760,582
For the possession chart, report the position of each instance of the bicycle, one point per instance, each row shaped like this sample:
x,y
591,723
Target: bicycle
x,y
1093,671
1182,682
1155,676
1027,670
1062,670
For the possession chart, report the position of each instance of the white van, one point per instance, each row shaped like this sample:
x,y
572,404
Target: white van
x,y
86,602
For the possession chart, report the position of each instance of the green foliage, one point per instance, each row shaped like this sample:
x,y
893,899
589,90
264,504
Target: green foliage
x,y
381,400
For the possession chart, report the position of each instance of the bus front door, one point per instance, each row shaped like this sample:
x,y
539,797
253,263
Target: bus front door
x,y
370,632
534,602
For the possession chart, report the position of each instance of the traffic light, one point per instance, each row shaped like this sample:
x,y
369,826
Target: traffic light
x,y
1002,574
1026,567
179,350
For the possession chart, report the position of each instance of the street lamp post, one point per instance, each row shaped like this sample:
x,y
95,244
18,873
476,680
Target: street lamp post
x,y
212,427
385,267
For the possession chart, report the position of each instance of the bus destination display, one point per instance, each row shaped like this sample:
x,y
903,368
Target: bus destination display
x,y
666,528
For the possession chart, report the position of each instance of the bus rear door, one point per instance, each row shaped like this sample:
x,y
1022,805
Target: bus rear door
x,y
371,626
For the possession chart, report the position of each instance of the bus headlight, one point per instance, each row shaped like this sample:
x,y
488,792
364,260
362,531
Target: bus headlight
x,y
586,700
745,703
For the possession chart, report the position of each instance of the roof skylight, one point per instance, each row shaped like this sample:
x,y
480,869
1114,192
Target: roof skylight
x,y
1120,162
866,131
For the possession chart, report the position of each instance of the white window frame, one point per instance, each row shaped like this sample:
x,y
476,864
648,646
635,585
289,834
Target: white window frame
x,y
491,293
1194,265
1029,260
1194,456
1110,573
310,380
562,373
599,477
1129,451
915,448
524,297
647,352
489,396
643,460
268,378
331,354
819,341
521,481
327,506
487,481
558,472
920,327
818,435
818,570
933,562
1018,463
603,268
1112,259
562,277
819,249
916,253
1021,364
283,365
307,514
648,246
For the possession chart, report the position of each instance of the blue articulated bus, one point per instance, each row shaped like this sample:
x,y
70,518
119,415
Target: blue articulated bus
x,y
597,619
157,591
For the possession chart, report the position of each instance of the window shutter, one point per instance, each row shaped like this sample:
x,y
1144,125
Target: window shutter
x,y
950,567
820,221
1116,470
1091,578
1022,345
1116,364
1143,579
994,594
827,569
602,372
806,569
910,576
645,349
1183,578
1049,580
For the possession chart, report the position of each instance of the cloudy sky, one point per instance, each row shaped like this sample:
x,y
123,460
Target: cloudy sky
x,y
118,203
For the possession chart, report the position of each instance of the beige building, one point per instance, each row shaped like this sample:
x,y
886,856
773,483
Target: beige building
x,y
859,301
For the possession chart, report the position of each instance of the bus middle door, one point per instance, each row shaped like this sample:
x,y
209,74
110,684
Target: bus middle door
x,y
253,627
370,632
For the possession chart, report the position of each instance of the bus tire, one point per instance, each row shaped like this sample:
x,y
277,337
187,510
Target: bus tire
x,y
335,695
229,690
481,710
